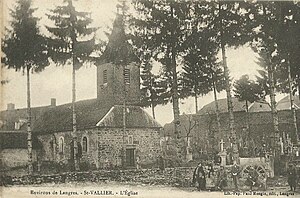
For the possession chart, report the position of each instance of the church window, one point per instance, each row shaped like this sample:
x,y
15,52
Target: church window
x,y
104,76
130,139
84,144
61,145
127,76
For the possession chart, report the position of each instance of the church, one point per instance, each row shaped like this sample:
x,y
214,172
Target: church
x,y
109,127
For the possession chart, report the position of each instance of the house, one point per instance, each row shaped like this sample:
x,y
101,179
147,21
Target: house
x,y
285,103
112,129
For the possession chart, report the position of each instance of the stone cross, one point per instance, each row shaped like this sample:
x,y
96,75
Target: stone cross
x,y
222,145
201,151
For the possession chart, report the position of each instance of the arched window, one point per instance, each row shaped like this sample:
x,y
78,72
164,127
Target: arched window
x,y
61,145
84,144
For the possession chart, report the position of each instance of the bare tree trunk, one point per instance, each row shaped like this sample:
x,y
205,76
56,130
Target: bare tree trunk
x,y
292,104
196,102
275,141
153,110
124,123
217,108
74,120
29,133
175,97
217,114
229,98
299,87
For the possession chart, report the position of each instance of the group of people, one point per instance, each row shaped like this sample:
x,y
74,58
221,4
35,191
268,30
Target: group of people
x,y
199,176
220,181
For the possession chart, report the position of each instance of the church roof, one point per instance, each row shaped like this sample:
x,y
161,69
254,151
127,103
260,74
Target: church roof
x,y
285,103
59,118
89,113
136,117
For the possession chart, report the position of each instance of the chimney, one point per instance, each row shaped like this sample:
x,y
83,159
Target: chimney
x,y
10,106
53,102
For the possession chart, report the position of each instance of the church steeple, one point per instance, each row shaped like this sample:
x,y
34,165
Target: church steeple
x,y
118,50
118,70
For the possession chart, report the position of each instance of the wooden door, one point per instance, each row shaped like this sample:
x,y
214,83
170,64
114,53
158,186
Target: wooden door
x,y
130,158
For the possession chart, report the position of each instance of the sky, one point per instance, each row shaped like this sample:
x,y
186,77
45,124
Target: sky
x,y
55,81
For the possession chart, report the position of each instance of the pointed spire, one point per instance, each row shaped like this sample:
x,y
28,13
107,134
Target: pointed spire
x,y
118,49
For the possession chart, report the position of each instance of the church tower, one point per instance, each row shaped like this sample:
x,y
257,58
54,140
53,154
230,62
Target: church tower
x,y
118,72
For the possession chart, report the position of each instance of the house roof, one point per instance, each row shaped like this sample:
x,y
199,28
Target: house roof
x,y
223,107
9,117
238,106
285,103
259,106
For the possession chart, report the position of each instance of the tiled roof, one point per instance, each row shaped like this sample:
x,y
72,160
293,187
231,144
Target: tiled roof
x,y
285,103
9,117
211,108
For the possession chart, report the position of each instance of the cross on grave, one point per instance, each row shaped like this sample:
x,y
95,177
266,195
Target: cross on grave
x,y
201,151
222,145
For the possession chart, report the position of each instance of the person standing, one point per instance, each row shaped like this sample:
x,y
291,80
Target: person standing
x,y
221,178
199,177
252,178
292,177
235,170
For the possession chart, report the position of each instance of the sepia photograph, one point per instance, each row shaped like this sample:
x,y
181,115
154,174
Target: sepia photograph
x,y
149,98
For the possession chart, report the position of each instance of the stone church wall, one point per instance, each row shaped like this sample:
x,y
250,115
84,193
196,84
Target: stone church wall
x,y
145,143
104,147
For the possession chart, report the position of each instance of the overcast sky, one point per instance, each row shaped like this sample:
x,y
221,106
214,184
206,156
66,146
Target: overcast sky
x,y
55,82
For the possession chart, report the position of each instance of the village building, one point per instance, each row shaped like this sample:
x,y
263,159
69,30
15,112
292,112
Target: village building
x,y
113,131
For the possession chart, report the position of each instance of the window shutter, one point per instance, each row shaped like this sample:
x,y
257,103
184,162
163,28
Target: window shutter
x,y
127,76
104,76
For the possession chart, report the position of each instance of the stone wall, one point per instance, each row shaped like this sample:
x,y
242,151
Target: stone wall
x,y
145,143
15,157
178,177
104,147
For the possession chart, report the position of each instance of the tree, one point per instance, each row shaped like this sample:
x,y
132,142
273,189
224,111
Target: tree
x,y
70,45
161,26
230,25
153,89
247,90
276,42
24,50
200,55
191,124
